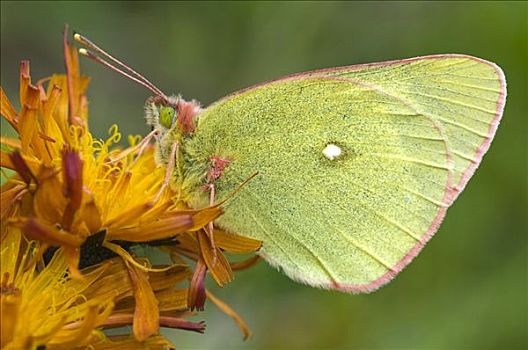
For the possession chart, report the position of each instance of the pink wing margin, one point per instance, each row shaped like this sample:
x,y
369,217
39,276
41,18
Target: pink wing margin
x,y
450,194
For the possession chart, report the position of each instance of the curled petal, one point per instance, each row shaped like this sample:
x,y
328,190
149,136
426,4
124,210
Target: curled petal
x,y
116,248
187,246
146,313
231,313
242,265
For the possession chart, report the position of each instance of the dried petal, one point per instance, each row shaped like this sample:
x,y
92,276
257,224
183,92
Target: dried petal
x,y
39,230
73,183
196,295
173,322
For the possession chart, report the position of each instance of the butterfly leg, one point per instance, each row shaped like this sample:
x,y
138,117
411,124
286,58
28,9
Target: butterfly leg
x,y
210,226
169,171
145,142
140,147
218,166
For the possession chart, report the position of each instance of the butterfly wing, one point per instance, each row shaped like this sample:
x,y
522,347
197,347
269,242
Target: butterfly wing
x,y
465,94
353,222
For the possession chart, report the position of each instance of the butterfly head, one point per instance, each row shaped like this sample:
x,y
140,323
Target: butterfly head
x,y
166,113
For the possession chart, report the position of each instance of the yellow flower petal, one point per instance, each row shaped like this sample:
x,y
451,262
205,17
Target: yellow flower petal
x,y
9,310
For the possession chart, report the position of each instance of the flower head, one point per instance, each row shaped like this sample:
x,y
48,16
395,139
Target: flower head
x,y
70,194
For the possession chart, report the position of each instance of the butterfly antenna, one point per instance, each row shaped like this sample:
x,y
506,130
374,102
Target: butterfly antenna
x,y
94,57
118,66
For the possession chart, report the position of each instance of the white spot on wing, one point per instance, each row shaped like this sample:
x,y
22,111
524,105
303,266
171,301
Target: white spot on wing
x,y
332,151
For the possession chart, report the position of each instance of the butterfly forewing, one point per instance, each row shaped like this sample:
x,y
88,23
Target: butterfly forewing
x,y
466,95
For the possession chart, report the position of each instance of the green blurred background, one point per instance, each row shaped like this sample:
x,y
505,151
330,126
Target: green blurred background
x,y
466,290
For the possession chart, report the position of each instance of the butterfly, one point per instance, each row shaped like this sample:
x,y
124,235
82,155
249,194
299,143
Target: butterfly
x,y
355,166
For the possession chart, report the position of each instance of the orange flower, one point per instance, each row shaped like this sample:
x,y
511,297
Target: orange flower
x,y
87,199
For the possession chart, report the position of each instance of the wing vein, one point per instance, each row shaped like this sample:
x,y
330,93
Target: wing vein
x,y
373,256
323,266
411,160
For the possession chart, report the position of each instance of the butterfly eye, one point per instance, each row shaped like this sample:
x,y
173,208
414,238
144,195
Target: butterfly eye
x,y
166,115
